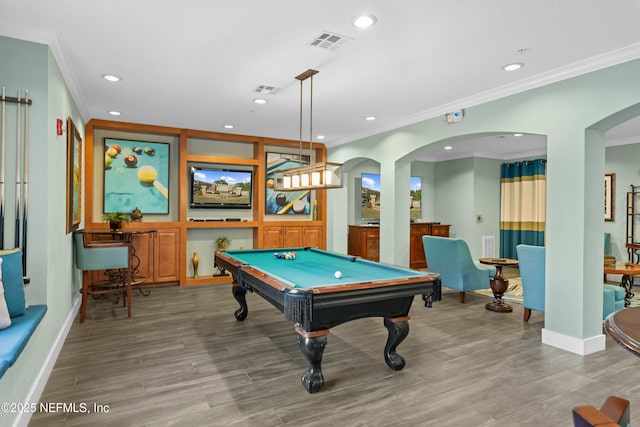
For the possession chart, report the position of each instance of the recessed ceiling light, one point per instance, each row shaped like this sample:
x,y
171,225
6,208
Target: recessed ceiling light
x,y
448,147
370,118
260,101
115,113
364,21
228,126
320,137
111,77
513,67
517,134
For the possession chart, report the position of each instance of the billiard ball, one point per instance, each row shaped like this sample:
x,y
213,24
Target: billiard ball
x,y
337,274
149,151
131,161
117,148
270,183
112,152
147,174
281,199
137,150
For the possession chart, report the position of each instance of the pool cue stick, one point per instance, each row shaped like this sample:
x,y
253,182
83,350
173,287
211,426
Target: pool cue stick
x,y
2,145
25,182
18,139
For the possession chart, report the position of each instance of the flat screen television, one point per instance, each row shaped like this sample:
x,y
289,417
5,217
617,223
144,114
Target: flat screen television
x,y
370,197
218,188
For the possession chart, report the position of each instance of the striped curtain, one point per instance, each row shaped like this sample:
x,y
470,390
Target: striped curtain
x,y
523,205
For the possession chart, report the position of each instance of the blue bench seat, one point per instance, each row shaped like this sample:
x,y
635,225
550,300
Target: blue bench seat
x,y
14,338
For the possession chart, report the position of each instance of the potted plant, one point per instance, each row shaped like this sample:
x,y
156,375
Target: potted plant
x,y
116,219
222,243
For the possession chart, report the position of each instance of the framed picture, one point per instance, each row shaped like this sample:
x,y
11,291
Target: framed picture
x,y
136,175
286,202
609,196
74,177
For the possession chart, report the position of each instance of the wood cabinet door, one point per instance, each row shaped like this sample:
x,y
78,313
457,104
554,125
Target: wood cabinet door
x,y
312,237
292,237
272,237
166,254
416,249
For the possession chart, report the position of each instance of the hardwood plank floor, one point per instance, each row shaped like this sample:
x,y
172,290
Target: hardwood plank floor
x,y
182,359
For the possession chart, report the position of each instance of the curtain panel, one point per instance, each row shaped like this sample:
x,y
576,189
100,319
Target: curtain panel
x,y
522,205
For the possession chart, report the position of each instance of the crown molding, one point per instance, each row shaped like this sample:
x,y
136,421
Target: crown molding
x,y
56,45
595,63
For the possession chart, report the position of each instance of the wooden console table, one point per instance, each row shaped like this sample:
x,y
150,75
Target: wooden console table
x,y
364,241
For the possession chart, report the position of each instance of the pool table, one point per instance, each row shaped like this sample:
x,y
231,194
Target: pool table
x,y
308,293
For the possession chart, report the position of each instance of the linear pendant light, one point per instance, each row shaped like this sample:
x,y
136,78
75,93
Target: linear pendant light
x,y
314,176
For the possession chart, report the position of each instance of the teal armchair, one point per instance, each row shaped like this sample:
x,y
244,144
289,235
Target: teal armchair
x,y
451,258
532,272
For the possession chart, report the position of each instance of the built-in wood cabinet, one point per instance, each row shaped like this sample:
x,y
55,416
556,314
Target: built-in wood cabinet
x,y
364,241
165,255
293,236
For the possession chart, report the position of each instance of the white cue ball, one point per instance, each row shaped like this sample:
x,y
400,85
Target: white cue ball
x,y
338,274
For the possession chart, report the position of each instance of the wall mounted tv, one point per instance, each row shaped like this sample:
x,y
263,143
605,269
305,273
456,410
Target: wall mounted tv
x,y
370,197
218,188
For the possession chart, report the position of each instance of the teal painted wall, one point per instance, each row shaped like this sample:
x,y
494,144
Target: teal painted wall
x,y
50,262
624,161
573,114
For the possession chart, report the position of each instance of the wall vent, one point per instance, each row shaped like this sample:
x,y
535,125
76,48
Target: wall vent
x,y
488,247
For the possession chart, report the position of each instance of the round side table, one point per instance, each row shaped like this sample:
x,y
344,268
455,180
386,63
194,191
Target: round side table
x,y
499,284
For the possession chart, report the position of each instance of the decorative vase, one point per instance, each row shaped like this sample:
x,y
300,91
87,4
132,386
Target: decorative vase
x,y
315,210
195,260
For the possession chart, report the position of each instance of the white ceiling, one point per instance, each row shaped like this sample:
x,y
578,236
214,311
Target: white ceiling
x,y
195,63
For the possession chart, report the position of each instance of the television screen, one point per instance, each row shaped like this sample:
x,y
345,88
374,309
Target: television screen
x,y
220,188
370,197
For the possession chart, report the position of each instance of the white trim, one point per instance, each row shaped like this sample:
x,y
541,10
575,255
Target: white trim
x,y
581,346
43,376
587,65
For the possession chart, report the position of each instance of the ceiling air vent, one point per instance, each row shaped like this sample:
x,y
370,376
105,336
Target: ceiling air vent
x,y
329,41
265,89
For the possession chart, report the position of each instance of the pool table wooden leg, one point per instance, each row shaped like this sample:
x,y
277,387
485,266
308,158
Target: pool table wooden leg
x,y
239,293
312,345
398,330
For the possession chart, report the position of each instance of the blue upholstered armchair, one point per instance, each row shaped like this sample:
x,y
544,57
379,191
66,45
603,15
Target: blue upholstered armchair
x,y
532,272
452,259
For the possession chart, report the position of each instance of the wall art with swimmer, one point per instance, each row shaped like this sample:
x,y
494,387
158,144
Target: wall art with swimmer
x,y
136,175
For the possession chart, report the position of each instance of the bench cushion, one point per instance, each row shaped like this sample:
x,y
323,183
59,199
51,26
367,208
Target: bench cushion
x,y
5,319
12,281
14,339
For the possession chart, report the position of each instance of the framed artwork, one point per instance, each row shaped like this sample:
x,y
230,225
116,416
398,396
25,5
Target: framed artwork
x,y
609,196
74,177
136,175
286,202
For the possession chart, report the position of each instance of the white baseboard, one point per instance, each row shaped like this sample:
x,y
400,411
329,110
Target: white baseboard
x,y
43,376
581,346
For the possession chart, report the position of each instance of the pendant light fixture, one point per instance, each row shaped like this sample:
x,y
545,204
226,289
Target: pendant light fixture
x,y
314,176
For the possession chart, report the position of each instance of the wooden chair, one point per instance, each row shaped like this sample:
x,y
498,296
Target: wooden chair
x,y
113,256
615,412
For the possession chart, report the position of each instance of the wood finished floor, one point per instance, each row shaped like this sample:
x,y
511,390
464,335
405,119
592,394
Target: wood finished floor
x,y
183,360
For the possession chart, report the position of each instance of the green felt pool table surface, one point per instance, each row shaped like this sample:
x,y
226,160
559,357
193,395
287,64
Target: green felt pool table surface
x,y
314,268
